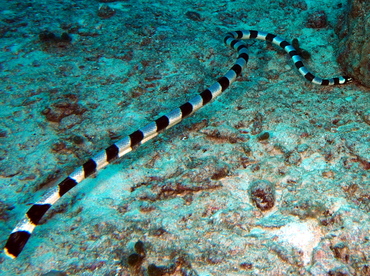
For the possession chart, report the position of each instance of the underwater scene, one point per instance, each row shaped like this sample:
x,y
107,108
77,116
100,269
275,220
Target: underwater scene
x,y
270,177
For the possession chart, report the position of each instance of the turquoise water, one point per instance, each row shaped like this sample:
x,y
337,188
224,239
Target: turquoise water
x,y
186,193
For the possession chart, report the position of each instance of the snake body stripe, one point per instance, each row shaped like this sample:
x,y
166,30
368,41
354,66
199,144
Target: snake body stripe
x,y
293,54
22,232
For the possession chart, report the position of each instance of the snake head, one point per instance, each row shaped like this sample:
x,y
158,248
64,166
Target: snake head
x,y
348,79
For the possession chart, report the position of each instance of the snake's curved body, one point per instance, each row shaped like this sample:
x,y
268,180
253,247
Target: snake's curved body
x,y
22,232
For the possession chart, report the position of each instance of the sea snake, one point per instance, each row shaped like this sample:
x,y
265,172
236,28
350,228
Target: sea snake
x,y
22,232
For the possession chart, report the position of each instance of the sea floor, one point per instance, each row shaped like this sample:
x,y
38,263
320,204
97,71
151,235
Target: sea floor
x,y
185,194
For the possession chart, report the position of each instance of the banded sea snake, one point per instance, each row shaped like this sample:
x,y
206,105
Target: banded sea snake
x,y
22,232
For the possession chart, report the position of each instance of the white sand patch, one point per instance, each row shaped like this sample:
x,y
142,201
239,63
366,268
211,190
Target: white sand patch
x,y
304,236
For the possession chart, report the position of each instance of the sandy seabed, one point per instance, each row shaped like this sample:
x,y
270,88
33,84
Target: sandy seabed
x,y
185,194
